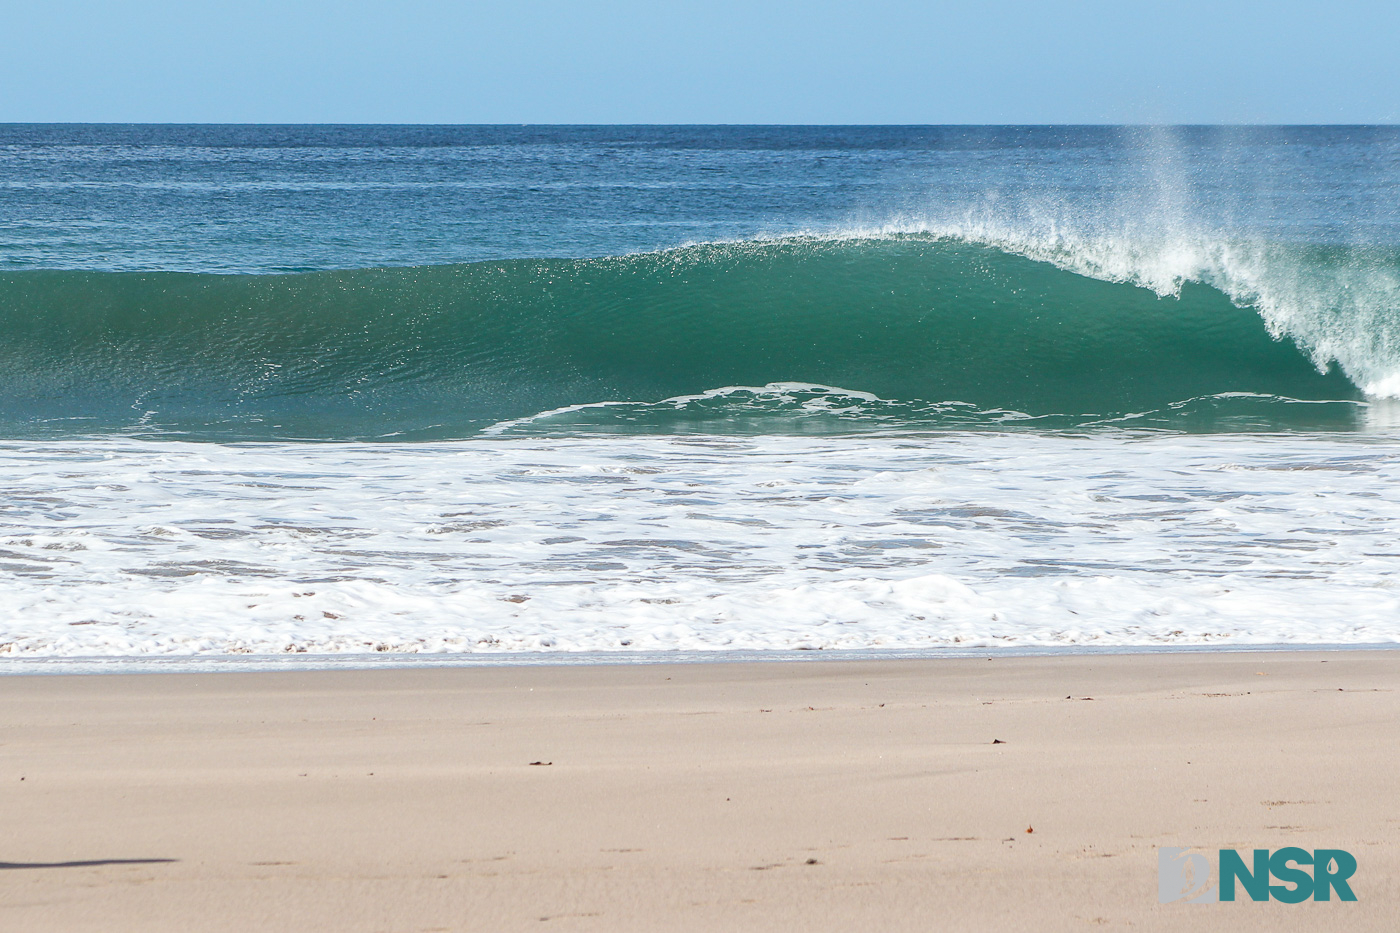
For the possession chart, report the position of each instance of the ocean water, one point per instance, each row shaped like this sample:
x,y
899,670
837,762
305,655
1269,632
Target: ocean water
x,y
309,390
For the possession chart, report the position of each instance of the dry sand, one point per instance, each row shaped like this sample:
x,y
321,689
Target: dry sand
x,y
812,796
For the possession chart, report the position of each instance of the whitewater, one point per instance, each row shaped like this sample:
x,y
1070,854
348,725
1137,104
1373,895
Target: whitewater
x,y
697,542
480,391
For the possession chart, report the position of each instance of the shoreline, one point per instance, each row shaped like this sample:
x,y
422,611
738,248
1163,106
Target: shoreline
x,y
1003,794
83,665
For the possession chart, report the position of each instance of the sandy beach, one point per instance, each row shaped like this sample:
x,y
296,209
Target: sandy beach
x,y
970,794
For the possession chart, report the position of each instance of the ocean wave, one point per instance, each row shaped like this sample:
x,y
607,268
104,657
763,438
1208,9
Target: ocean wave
x,y
929,326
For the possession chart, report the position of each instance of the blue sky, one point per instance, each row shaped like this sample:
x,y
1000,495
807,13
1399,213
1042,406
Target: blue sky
x,y
680,61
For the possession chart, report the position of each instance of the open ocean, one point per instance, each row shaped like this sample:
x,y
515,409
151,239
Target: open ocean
x,y
320,389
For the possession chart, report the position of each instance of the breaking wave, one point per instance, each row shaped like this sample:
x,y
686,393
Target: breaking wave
x,y
974,327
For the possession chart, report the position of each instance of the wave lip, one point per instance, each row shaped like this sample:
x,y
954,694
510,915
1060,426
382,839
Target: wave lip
x,y
918,329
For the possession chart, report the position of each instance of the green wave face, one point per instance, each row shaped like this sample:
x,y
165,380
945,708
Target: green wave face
x,y
919,323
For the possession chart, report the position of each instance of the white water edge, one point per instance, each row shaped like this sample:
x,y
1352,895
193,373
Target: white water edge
x,y
135,548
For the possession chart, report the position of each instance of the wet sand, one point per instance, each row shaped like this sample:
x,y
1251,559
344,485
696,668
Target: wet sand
x,y
824,795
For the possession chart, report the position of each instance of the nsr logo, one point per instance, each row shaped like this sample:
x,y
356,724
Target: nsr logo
x,y
1183,875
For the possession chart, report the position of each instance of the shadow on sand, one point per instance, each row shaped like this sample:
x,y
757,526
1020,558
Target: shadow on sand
x,y
90,864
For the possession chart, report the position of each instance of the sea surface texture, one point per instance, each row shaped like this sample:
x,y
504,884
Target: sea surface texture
x,y
270,390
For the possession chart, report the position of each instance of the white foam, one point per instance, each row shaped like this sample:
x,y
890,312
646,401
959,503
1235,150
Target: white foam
x,y
626,543
811,396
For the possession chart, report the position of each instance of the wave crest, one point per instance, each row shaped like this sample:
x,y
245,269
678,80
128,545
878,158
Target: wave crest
x,y
927,326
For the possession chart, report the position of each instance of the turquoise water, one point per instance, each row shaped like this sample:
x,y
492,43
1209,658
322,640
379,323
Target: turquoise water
x,y
910,324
